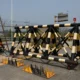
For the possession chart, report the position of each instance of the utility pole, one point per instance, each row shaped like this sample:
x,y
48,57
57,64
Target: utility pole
x,y
11,19
4,32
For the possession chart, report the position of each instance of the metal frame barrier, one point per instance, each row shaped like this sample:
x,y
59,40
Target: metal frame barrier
x,y
33,45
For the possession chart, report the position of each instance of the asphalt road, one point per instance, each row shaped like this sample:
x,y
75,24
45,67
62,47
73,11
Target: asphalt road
x,y
8,72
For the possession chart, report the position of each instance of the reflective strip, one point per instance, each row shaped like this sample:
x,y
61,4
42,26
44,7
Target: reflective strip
x,y
15,35
12,43
20,27
44,26
67,25
74,49
47,46
67,34
35,26
61,60
50,58
56,25
75,36
29,35
39,56
27,45
49,34
60,54
20,52
26,26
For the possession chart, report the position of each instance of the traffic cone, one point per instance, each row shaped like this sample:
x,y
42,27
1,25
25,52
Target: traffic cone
x,y
27,69
5,61
30,70
49,73
19,62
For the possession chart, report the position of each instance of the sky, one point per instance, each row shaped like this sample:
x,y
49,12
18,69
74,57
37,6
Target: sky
x,y
39,11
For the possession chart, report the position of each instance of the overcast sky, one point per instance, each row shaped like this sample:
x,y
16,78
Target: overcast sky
x,y
39,11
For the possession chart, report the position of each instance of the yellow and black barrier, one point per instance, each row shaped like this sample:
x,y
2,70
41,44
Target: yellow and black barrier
x,y
47,43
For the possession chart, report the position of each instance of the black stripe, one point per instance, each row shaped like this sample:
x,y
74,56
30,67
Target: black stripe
x,y
23,27
54,40
56,59
75,42
29,39
61,25
48,41
73,55
39,26
14,39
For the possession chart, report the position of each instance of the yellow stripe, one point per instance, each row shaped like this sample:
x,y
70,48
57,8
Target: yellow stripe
x,y
15,35
30,54
56,25
75,36
20,52
60,54
12,43
22,45
40,51
26,26
49,34
35,26
35,34
39,56
67,25
62,60
43,34
78,57
53,49
74,49
65,49
27,45
44,26
29,35
55,34
32,50
20,27
50,58
15,51
19,34
67,34
47,46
